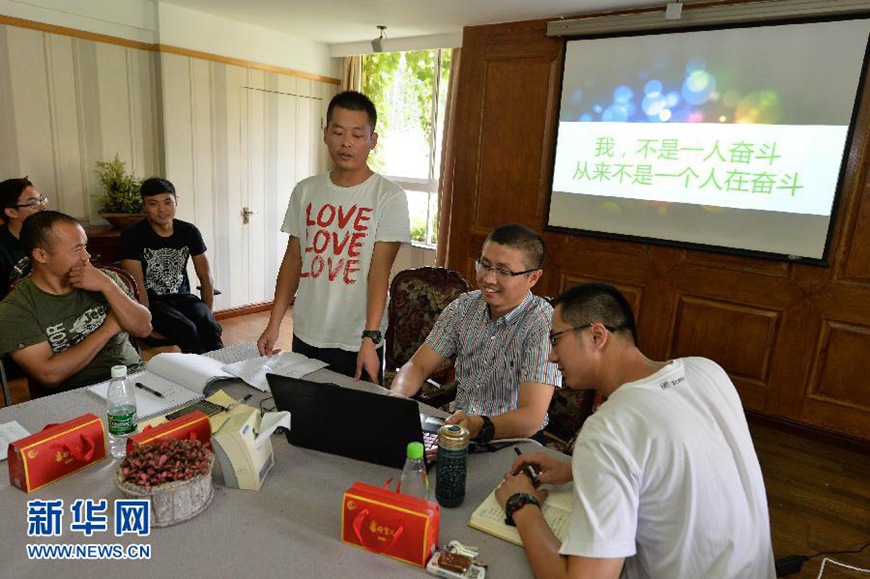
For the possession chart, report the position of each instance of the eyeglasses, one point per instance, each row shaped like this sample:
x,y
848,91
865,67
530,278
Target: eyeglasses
x,y
499,272
41,200
555,337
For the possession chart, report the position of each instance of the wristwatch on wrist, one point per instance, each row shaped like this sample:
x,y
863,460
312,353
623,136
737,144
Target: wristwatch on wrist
x,y
373,335
514,503
487,431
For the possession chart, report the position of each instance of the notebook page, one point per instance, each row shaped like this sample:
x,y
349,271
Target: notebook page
x,y
192,371
289,364
148,404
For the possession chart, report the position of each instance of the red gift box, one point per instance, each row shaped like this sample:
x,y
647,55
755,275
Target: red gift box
x,y
193,425
56,451
389,523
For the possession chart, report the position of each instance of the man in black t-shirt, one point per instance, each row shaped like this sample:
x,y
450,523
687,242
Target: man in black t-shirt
x,y
155,252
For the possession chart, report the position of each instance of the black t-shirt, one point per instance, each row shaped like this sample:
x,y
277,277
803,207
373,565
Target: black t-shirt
x,y
163,259
10,253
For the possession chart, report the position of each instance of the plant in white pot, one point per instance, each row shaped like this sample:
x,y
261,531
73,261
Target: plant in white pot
x,y
174,474
121,204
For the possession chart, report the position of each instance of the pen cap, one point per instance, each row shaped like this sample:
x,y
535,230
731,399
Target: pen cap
x,y
119,371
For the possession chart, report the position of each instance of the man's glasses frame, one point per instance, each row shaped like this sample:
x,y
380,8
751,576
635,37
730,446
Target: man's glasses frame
x,y
41,200
499,271
555,337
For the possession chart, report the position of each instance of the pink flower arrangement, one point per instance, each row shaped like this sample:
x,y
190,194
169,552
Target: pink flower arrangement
x,y
166,461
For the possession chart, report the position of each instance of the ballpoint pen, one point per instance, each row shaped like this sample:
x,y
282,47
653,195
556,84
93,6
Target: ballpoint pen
x,y
530,472
149,389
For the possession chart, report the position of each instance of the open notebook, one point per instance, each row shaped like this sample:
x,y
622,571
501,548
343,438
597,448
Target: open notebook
x,y
489,516
180,378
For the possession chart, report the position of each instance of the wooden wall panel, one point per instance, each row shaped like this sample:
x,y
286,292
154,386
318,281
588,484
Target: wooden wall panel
x,y
739,338
502,173
842,366
793,337
857,259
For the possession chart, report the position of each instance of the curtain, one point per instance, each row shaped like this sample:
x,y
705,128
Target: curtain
x,y
351,73
448,159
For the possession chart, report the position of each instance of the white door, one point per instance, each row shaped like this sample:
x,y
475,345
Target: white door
x,y
280,141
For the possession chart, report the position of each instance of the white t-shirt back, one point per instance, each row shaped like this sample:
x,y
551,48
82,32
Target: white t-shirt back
x,y
666,475
337,229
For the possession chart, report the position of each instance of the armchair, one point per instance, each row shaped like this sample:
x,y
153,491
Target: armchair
x,y
417,298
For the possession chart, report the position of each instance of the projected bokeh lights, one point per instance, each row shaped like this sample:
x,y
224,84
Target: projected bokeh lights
x,y
696,97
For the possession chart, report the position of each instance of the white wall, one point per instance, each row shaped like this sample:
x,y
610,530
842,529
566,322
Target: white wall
x,y
66,103
158,22
398,44
198,31
228,136
129,19
413,256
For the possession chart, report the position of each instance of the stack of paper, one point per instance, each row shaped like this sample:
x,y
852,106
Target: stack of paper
x,y
287,364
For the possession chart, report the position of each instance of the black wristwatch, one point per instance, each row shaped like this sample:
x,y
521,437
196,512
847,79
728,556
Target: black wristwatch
x,y
374,335
514,503
487,431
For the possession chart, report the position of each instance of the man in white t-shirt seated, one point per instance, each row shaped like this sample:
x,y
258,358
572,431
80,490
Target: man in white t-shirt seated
x,y
666,480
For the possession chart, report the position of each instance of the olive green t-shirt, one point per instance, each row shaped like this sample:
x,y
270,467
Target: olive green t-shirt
x,y
31,316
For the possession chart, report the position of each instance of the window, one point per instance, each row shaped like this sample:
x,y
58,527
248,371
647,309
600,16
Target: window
x,y
410,92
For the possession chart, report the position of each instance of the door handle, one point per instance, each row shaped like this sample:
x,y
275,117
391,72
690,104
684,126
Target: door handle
x,y
246,214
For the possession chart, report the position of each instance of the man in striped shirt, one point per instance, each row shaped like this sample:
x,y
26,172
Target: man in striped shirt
x,y
499,337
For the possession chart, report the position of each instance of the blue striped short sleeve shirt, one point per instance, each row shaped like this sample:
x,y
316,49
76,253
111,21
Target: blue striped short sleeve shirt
x,y
494,356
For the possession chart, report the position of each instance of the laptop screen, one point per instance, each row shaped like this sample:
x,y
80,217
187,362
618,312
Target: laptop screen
x,y
353,423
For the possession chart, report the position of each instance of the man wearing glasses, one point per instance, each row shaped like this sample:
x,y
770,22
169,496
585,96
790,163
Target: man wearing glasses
x,y
19,199
666,479
499,336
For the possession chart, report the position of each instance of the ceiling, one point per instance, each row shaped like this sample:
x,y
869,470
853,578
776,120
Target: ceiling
x,y
342,21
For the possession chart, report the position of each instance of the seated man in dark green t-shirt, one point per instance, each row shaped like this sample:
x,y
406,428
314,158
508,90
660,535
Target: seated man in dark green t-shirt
x,y
66,324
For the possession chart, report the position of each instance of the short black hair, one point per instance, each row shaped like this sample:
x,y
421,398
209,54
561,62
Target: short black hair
x,y
597,302
353,101
36,230
11,190
521,237
155,186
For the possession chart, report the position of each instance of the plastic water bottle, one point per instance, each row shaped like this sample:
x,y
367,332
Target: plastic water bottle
x,y
415,482
120,411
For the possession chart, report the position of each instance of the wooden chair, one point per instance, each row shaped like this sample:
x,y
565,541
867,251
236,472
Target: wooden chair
x,y
568,410
417,298
9,371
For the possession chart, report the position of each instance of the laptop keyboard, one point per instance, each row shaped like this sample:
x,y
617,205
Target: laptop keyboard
x,y
430,440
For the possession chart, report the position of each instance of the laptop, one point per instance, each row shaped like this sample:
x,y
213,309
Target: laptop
x,y
353,423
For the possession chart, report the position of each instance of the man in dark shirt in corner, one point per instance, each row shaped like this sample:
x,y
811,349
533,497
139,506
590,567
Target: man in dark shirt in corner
x,y
19,199
155,252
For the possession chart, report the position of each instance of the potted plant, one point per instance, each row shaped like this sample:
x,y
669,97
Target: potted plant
x,y
121,204
174,474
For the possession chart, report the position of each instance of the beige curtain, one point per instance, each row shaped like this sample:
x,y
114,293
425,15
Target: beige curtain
x,y
448,159
351,73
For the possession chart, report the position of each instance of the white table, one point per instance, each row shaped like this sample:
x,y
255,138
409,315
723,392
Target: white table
x,y
290,527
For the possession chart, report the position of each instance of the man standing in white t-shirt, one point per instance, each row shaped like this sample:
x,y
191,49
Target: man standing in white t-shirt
x,y
666,480
345,227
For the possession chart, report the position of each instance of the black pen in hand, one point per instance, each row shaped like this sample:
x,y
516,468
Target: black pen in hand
x,y
530,472
142,386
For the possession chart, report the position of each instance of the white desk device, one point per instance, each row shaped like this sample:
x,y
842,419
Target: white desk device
x,y
243,446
